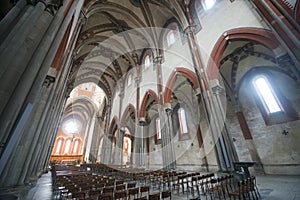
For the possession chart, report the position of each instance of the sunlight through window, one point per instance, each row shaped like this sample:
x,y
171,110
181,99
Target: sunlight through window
x,y
75,146
182,121
208,4
72,126
129,79
59,144
158,131
170,38
147,61
68,145
266,94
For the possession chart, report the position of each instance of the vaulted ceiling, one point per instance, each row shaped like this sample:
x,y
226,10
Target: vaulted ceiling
x,y
113,38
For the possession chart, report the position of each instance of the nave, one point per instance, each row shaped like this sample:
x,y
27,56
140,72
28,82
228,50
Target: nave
x,y
269,187
183,86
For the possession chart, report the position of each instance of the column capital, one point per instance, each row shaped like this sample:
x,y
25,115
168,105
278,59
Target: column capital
x,y
216,87
284,61
217,90
158,59
135,57
137,79
48,81
83,17
121,94
189,29
52,6
198,91
122,132
142,121
168,108
69,88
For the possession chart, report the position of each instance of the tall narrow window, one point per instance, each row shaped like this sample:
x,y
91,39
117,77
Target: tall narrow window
x,y
75,148
170,38
129,79
58,146
147,61
208,4
266,94
182,121
68,145
158,130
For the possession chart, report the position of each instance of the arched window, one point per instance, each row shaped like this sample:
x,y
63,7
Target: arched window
x,y
147,61
158,131
183,126
208,4
75,147
274,106
129,79
182,121
170,38
67,147
266,94
58,146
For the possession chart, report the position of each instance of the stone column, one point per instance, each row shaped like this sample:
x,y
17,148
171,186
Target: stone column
x,y
119,147
11,29
200,131
249,141
167,144
29,84
85,139
96,139
101,132
22,82
206,95
225,144
50,141
7,23
11,63
48,127
142,124
106,144
45,124
139,143
89,138
146,142
15,57
19,157
39,125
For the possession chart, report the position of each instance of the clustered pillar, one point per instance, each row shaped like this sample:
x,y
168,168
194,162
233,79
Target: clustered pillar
x,y
107,139
119,147
31,102
167,144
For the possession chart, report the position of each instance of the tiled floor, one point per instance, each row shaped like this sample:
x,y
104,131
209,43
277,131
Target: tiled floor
x,y
270,188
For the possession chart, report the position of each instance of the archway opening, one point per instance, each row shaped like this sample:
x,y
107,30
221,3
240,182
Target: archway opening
x,y
127,147
78,136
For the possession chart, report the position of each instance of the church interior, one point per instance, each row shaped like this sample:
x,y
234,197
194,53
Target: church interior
x,y
149,99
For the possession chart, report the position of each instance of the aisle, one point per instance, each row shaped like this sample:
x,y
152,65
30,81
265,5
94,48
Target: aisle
x,y
42,189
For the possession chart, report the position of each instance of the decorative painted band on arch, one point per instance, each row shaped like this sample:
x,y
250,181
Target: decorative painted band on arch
x,y
262,36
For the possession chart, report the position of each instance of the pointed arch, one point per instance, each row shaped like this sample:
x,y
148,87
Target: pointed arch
x,y
58,145
129,107
170,84
145,100
114,122
262,36
76,146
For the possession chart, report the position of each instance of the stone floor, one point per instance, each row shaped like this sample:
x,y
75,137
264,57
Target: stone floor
x,y
270,188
